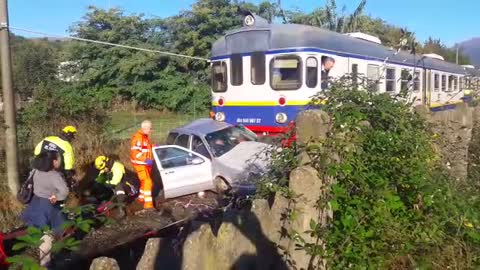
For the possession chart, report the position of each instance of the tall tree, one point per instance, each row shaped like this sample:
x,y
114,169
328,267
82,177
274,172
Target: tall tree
x,y
34,62
433,45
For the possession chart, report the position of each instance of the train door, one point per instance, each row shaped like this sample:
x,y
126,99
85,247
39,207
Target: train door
x,y
427,86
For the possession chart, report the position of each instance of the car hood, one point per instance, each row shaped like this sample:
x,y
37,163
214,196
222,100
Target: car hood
x,y
245,160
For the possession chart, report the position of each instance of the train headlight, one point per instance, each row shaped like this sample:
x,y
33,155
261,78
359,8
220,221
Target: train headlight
x,y
220,116
281,118
249,20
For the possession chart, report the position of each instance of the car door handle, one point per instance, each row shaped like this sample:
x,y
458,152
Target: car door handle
x,y
169,172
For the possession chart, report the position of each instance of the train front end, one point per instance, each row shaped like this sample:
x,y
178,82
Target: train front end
x,y
256,86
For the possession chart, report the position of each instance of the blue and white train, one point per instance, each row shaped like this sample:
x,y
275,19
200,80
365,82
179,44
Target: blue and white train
x,y
264,74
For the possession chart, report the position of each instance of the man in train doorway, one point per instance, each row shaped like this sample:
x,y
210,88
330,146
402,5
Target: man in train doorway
x,y
327,64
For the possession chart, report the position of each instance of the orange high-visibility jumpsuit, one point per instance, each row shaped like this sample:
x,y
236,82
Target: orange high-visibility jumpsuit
x,y
140,151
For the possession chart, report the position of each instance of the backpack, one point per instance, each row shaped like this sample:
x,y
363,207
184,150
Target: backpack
x,y
25,194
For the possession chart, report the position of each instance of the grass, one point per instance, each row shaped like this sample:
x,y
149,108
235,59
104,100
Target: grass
x,y
124,123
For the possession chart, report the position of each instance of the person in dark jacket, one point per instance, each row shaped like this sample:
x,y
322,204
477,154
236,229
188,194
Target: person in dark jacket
x,y
49,191
327,65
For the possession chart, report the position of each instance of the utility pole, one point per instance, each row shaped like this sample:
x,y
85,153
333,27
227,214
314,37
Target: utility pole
x,y
457,56
8,101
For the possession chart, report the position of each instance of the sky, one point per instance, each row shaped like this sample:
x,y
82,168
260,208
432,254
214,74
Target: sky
x,y
451,21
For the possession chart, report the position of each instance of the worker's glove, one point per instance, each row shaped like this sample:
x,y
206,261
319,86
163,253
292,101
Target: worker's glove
x,y
101,179
149,162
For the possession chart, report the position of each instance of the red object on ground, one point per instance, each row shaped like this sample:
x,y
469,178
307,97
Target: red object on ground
x,y
104,208
3,255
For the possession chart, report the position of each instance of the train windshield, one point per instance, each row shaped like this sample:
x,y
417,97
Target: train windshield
x,y
224,140
286,73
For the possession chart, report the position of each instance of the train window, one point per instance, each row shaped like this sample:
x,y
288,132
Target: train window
x,y
436,82
219,76
416,81
286,72
312,72
391,82
236,69
257,61
444,82
405,78
373,76
450,83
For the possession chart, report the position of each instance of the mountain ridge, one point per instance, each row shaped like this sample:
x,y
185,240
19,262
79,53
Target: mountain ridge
x,y
471,48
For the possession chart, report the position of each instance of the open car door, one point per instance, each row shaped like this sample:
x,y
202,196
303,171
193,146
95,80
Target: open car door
x,y
182,171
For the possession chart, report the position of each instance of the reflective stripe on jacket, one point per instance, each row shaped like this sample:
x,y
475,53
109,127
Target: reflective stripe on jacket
x,y
140,148
55,143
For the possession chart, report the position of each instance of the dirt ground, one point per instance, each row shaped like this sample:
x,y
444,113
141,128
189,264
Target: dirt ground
x,y
139,224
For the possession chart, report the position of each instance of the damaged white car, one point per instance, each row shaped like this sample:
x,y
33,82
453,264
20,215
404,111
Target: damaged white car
x,y
210,155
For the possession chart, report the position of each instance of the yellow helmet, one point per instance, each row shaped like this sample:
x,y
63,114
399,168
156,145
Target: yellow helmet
x,y
69,129
101,162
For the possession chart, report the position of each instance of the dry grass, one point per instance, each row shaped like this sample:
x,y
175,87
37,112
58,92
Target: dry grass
x,y
125,123
10,208
454,254
90,142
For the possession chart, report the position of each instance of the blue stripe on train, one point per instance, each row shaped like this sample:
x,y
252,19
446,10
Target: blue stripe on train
x,y
259,115
265,115
445,107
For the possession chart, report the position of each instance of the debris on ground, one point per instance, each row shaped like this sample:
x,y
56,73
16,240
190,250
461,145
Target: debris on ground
x,y
141,224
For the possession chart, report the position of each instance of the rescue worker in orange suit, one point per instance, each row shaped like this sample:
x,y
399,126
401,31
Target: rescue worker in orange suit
x,y
142,161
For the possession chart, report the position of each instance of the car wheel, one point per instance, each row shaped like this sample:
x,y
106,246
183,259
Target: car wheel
x,y
221,185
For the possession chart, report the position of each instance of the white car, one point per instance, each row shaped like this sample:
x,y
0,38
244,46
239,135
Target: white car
x,y
209,155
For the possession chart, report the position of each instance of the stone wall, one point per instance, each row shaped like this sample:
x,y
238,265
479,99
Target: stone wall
x,y
452,136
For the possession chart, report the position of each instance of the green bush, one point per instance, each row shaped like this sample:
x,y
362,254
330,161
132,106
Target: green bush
x,y
391,201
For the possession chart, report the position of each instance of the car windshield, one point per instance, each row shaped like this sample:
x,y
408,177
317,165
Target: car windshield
x,y
224,140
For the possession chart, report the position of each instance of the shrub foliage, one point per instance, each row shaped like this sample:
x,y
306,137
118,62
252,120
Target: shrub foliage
x,y
390,199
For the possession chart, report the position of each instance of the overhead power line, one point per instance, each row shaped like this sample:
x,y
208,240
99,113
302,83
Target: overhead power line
x,y
109,44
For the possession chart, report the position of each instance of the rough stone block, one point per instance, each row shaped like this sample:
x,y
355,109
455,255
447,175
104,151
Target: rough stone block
x,y
150,254
104,263
312,124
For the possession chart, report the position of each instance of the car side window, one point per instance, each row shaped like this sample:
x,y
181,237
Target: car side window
x,y
172,157
182,141
171,137
199,147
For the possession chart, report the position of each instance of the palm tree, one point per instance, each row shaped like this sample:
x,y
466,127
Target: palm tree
x,y
341,23
326,17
